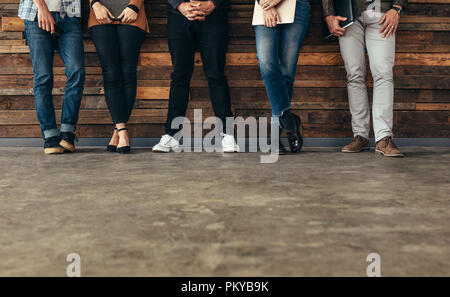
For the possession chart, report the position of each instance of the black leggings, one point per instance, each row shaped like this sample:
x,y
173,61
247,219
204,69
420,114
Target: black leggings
x,y
118,48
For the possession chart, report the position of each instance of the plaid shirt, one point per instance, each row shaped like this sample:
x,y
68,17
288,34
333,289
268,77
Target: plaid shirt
x,y
28,9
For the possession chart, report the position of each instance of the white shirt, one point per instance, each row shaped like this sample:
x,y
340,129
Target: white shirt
x,y
53,5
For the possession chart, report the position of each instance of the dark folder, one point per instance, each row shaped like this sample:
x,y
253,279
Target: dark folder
x,y
343,8
115,6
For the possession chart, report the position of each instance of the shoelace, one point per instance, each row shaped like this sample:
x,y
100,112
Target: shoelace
x,y
389,141
392,143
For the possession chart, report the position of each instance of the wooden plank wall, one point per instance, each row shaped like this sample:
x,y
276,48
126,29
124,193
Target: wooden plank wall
x,y
422,101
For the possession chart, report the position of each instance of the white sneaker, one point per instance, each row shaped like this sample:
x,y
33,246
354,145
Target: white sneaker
x,y
229,145
166,144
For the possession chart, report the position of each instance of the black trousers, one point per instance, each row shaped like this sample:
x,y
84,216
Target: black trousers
x,y
118,48
210,38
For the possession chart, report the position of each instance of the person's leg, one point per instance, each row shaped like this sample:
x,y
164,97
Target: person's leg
x,y
352,48
267,46
107,45
381,52
130,41
71,50
182,48
291,41
213,46
42,47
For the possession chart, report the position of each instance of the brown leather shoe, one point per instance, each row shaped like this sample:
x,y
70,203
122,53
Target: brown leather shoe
x,y
387,147
357,145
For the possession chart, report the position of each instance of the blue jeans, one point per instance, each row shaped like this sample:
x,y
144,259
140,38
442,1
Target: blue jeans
x,y
277,52
42,48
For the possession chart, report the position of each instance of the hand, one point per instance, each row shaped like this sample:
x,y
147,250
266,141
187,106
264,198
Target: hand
x,y
268,4
271,17
45,19
102,14
390,22
128,16
191,11
333,25
205,6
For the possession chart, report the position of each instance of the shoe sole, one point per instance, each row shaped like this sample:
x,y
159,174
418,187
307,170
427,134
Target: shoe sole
x,y
67,146
389,155
163,151
361,150
54,151
230,151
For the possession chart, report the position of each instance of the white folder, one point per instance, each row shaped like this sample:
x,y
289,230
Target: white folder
x,y
286,10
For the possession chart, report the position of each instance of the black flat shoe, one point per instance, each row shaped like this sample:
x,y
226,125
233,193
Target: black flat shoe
x,y
111,148
123,149
292,124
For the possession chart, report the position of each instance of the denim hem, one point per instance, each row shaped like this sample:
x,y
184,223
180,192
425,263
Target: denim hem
x,y
282,111
50,133
67,127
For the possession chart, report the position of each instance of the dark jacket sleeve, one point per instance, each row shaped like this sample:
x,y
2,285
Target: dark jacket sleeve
x,y
175,3
328,9
218,2
402,3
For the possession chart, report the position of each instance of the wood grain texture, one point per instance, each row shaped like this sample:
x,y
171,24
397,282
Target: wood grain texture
x,y
422,77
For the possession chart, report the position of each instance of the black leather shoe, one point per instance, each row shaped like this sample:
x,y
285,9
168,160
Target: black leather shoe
x,y
68,141
292,124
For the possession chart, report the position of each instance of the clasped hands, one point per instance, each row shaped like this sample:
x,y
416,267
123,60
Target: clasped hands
x,y
104,16
196,10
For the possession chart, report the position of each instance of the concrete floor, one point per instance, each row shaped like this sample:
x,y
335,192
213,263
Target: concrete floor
x,y
318,213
